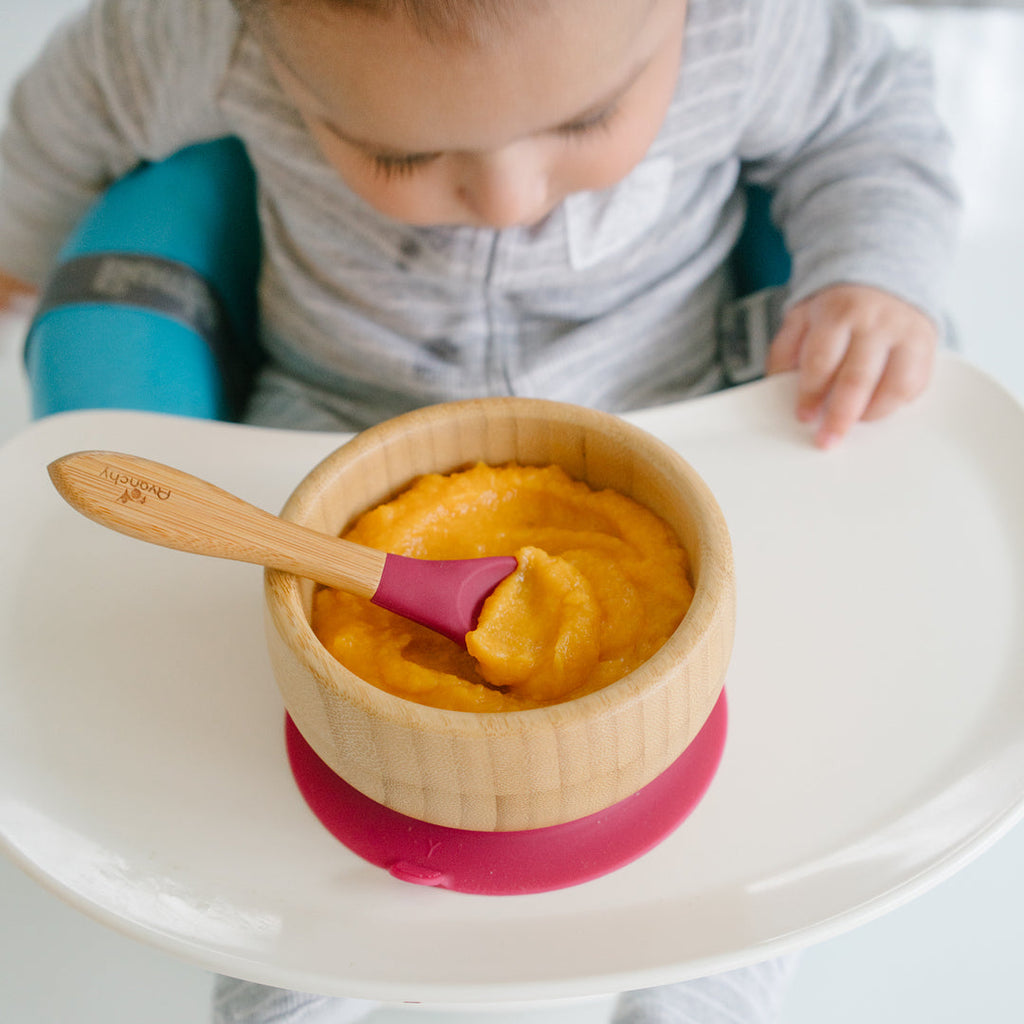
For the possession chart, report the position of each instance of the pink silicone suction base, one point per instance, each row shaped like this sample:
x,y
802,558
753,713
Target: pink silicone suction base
x,y
510,863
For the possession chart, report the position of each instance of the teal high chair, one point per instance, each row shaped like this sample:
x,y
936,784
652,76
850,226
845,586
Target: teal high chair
x,y
152,305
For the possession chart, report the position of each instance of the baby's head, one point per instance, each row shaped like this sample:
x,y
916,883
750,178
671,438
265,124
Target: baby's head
x,y
479,112
442,20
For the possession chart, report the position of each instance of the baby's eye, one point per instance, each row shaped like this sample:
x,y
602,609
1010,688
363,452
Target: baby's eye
x,y
594,123
389,167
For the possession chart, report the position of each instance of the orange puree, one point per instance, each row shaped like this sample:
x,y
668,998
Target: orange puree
x,y
601,584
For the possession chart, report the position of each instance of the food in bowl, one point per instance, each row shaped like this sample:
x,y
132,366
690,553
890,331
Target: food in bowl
x,y
525,769
601,584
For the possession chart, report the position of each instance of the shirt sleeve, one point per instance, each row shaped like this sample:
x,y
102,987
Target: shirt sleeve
x,y
842,129
123,82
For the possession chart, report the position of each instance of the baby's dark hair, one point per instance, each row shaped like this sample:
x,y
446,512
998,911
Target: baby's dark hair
x,y
436,20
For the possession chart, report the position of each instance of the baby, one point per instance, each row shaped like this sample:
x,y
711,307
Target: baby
x,y
470,197
538,197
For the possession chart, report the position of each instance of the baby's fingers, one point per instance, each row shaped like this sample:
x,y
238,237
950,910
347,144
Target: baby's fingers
x,y
821,355
859,352
815,352
873,382
907,373
857,384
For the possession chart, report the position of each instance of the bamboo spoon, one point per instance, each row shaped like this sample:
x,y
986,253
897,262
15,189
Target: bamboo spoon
x,y
166,506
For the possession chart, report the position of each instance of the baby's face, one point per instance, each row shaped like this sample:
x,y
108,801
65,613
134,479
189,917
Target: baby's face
x,y
491,134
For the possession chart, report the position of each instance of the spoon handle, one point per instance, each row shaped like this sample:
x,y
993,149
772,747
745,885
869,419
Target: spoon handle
x,y
165,506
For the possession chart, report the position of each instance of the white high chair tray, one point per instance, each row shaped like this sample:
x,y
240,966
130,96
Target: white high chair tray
x,y
876,739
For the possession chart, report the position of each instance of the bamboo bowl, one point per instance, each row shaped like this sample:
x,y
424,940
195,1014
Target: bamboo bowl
x,y
522,769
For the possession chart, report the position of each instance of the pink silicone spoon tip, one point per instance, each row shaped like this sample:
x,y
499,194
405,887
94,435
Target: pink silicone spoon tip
x,y
444,595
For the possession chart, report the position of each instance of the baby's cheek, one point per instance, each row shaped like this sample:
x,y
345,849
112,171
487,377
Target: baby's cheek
x,y
605,161
417,198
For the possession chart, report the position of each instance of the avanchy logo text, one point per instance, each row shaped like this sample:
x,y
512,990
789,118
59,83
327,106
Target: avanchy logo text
x,y
136,488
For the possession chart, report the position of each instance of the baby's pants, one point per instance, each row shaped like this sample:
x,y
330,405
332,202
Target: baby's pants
x,y
748,995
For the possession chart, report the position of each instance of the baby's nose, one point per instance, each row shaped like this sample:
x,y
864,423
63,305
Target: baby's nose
x,y
505,189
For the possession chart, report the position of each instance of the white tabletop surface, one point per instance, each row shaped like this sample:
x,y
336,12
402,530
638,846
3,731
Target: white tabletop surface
x,y
876,715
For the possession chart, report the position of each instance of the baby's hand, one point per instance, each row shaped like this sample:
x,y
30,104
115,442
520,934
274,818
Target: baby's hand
x,y
860,352
13,292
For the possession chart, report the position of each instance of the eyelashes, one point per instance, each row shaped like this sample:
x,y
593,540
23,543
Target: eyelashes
x,y
390,168
600,122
